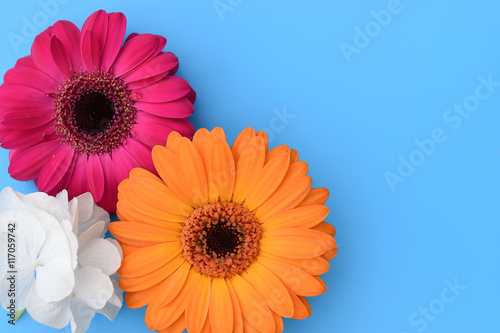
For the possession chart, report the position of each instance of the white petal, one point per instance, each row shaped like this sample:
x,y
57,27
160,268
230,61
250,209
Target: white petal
x,y
28,236
93,287
100,253
93,232
55,280
72,241
47,203
115,303
10,200
24,279
117,245
81,315
63,198
53,314
85,206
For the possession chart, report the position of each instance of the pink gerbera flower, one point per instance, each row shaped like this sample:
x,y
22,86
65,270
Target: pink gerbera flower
x,y
83,110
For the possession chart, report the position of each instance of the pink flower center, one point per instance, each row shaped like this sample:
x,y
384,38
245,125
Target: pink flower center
x,y
221,239
93,112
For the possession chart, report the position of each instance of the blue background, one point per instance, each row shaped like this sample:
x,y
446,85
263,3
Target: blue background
x,y
358,103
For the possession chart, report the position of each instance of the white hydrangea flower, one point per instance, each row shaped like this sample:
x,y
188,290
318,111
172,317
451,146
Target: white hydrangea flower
x,y
62,241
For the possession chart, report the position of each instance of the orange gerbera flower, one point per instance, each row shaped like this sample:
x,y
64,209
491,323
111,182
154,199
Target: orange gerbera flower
x,y
228,240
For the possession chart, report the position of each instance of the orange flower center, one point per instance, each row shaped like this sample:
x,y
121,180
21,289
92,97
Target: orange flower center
x,y
221,239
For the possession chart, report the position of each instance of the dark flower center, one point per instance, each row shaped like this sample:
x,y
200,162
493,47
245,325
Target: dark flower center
x,y
93,112
221,239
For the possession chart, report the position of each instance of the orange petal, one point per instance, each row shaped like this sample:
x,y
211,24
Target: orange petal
x,y
247,328
175,286
237,315
241,141
278,321
295,171
249,164
149,259
178,326
140,234
197,305
128,249
329,255
302,309
297,280
126,212
137,203
270,288
317,196
199,139
285,199
163,160
167,314
301,217
219,132
222,170
158,194
313,266
294,155
221,308
253,306
296,243
173,140
140,172
327,228
267,180
149,280
138,299
207,328
273,153
191,171
263,135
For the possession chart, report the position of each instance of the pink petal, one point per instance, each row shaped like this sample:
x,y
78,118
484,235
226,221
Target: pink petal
x,y
116,32
56,167
69,35
123,162
28,120
95,177
78,184
151,134
180,125
60,56
146,82
93,43
168,89
135,52
141,154
42,58
161,64
25,62
191,96
13,97
91,50
14,139
27,163
181,108
110,196
31,77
